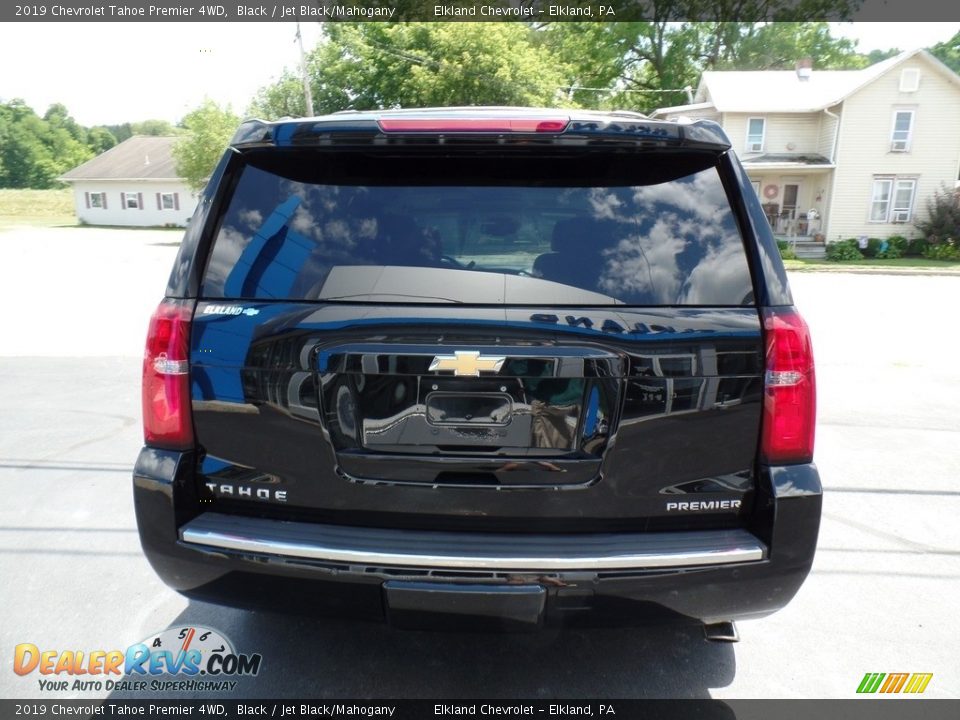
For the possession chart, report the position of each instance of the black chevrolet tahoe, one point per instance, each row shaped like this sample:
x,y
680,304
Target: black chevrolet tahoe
x,y
495,366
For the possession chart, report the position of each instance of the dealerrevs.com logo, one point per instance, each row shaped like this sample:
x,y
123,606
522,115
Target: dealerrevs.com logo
x,y
202,658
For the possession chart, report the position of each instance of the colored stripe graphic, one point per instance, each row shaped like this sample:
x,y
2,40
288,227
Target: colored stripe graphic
x,y
894,683
870,682
918,682
914,683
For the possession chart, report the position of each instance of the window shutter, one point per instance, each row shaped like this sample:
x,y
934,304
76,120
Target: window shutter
x,y
159,206
123,201
176,201
86,196
103,197
140,200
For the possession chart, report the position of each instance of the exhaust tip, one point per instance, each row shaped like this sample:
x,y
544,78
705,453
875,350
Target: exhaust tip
x,y
721,632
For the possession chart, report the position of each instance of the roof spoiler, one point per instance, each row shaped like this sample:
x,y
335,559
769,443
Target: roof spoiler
x,y
342,128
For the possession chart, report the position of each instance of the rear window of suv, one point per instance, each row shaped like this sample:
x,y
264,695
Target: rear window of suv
x,y
648,228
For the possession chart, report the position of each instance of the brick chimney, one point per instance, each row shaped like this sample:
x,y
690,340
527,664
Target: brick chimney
x,y
804,68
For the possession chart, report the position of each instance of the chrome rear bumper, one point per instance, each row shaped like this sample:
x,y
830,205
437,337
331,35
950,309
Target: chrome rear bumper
x,y
472,551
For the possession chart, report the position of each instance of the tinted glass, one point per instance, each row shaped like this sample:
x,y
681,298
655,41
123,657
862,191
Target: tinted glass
x,y
646,230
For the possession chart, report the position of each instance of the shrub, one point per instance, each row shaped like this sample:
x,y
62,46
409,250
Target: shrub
x,y
872,248
947,250
892,248
899,244
916,247
943,216
786,252
843,251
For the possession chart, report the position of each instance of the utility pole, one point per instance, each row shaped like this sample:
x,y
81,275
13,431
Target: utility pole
x,y
307,95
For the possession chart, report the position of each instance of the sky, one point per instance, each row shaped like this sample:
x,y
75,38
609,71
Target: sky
x,y
110,73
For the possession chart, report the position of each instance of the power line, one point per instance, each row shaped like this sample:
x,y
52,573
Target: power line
x,y
614,90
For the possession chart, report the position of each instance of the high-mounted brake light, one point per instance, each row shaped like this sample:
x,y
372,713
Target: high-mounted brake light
x,y
790,393
166,379
477,125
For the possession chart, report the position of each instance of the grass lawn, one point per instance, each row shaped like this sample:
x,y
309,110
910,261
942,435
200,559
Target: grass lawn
x,y
904,263
36,207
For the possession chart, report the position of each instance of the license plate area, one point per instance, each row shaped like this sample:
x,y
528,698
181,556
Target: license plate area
x,y
543,401
469,409
419,605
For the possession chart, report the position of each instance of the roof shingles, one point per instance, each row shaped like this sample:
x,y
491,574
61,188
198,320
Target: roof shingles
x,y
782,91
138,158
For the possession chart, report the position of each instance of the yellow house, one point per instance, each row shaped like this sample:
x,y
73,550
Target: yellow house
x,y
837,154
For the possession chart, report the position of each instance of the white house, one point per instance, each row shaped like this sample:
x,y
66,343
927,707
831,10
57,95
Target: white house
x,y
840,153
133,183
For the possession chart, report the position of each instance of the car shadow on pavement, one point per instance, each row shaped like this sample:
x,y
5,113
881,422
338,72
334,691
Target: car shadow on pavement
x,y
317,658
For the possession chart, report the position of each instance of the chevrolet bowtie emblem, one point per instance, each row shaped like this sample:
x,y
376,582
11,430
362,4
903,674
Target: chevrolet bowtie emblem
x,y
467,363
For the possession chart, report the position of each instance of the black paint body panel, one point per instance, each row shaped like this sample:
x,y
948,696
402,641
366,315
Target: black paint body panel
x,y
682,412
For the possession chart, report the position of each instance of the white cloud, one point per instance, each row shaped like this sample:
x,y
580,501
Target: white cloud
x,y
682,245
253,219
230,245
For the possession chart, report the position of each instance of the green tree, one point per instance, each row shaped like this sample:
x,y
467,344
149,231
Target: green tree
x,y
282,99
644,65
208,132
99,139
58,117
35,151
152,127
121,132
875,56
777,46
124,131
384,65
948,52
26,161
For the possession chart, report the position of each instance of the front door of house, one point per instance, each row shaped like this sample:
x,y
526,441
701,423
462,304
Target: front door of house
x,y
791,191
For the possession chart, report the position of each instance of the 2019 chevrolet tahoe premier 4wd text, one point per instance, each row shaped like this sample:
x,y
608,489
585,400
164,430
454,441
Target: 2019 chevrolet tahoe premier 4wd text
x,y
507,365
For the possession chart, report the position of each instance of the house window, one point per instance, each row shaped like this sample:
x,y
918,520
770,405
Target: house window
x,y
910,80
168,201
97,200
902,131
130,201
756,186
880,202
903,194
756,128
892,199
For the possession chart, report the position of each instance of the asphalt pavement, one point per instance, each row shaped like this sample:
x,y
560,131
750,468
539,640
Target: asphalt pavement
x,y
882,596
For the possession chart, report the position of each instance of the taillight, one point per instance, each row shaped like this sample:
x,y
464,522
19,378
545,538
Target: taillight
x,y
790,393
479,125
166,378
